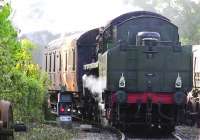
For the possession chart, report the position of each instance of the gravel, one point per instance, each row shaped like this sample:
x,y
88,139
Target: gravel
x,y
88,132
81,132
94,136
187,133
76,132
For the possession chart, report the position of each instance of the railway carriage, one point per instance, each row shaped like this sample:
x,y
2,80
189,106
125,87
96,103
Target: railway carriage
x,y
193,106
64,60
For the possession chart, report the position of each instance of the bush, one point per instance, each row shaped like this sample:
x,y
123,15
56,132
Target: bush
x,y
21,82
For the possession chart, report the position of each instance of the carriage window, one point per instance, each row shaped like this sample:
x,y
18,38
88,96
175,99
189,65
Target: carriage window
x,y
46,63
59,62
49,62
54,62
73,67
66,61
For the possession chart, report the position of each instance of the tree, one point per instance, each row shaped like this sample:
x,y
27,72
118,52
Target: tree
x,y
21,81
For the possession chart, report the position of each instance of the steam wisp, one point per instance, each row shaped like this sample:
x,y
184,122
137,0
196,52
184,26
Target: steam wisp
x,y
95,85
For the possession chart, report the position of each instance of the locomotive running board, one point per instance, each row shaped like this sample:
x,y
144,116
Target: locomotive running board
x,y
91,66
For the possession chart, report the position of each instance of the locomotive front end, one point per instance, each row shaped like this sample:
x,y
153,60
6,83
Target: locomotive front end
x,y
148,73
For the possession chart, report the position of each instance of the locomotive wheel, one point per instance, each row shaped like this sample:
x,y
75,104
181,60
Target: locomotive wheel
x,y
97,113
190,121
7,118
90,110
102,118
113,121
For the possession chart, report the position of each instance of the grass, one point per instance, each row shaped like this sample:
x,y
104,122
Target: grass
x,y
45,132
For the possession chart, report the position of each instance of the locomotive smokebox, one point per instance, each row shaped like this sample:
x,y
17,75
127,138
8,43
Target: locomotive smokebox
x,y
147,38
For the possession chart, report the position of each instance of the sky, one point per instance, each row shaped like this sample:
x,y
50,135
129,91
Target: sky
x,y
58,16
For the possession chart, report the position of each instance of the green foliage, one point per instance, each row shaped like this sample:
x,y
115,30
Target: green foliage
x,y
45,132
21,81
184,13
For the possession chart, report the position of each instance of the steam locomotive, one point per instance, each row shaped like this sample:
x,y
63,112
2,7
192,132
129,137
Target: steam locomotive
x,y
133,71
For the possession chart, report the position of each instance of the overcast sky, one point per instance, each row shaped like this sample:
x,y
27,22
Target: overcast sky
x,y
65,15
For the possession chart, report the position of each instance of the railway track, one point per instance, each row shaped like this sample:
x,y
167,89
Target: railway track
x,y
114,133
180,133
177,136
187,133
86,130
155,136
161,138
93,131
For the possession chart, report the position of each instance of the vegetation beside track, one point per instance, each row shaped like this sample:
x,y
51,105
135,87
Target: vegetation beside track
x,y
45,132
22,82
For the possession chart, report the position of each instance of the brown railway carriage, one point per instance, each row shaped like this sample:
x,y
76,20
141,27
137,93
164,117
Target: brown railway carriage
x,y
59,63
64,60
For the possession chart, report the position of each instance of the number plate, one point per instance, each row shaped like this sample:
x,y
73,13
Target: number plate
x,y
65,118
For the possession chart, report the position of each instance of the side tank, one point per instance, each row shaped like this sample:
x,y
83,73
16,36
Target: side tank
x,y
145,70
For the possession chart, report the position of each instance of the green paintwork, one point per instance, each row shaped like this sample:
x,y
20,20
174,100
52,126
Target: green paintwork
x,y
135,64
